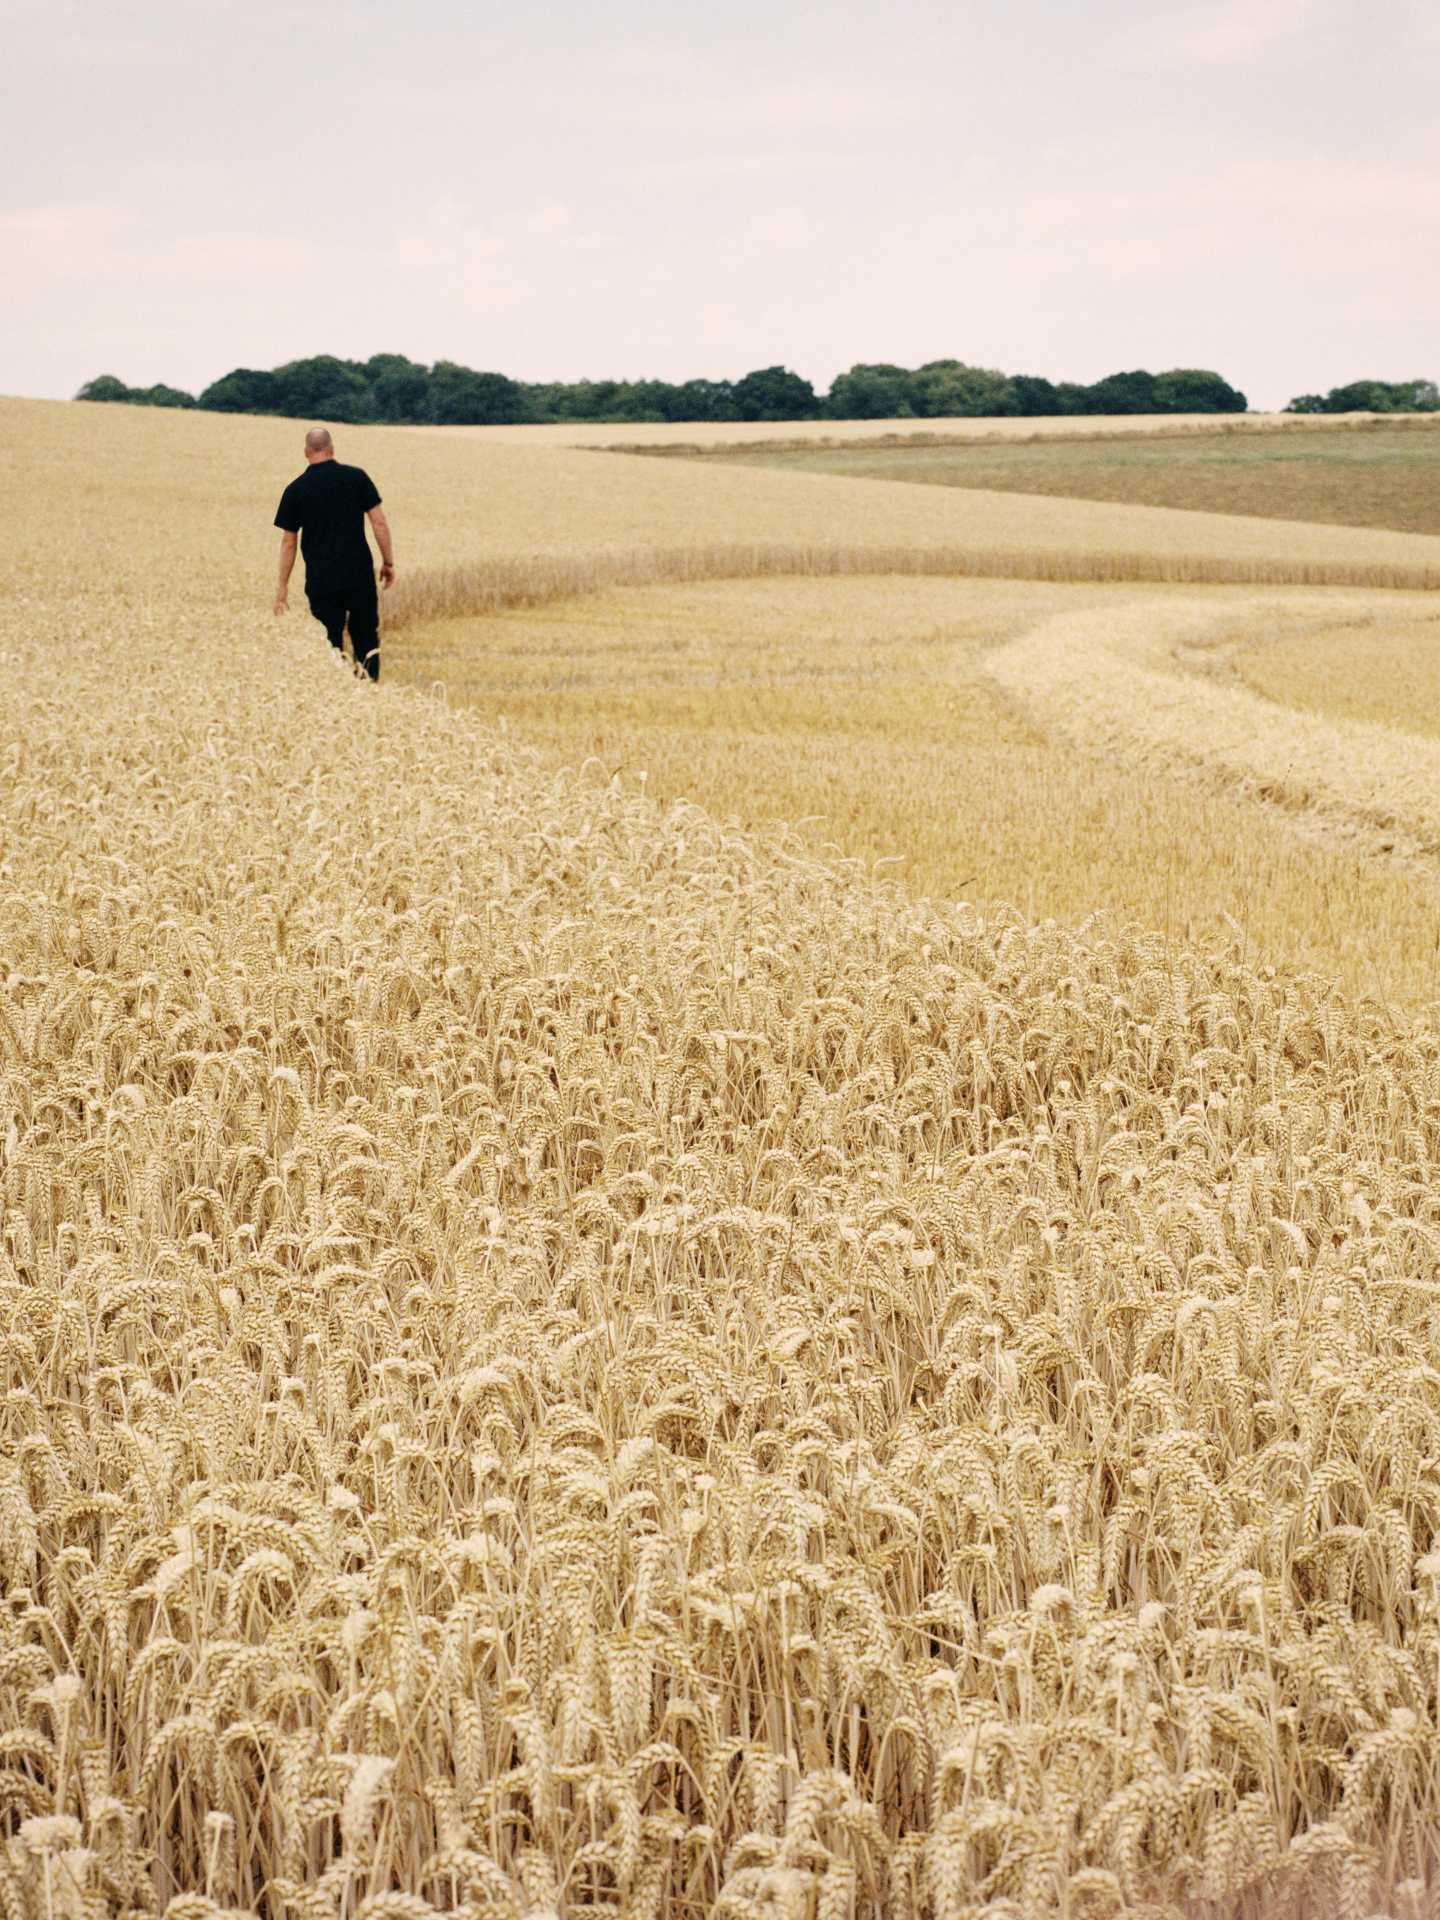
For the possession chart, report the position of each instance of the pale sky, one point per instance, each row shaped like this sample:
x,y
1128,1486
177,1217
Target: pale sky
x,y
629,188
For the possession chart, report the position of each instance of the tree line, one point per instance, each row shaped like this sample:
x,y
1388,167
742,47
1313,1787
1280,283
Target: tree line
x,y
390,387
1372,396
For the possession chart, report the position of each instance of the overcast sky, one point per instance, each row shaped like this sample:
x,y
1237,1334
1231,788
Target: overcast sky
x,y
622,187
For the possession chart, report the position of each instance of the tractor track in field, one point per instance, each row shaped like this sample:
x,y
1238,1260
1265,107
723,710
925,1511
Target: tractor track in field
x,y
1144,686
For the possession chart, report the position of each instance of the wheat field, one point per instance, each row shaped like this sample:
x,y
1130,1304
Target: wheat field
x,y
565,1354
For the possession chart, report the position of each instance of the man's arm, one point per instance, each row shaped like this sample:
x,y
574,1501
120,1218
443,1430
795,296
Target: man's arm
x,y
287,562
382,540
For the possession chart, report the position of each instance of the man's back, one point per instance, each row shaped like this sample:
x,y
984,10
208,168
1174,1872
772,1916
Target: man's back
x,y
329,503
326,506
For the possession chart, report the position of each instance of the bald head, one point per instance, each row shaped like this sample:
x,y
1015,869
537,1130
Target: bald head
x,y
319,445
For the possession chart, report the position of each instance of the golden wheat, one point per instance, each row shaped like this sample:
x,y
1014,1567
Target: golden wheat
x,y
560,1358
200,479
870,713
484,587
1358,664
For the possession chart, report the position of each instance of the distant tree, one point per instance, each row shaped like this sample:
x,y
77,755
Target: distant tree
x,y
871,390
1032,396
105,386
705,400
1123,393
583,399
461,397
1361,396
614,400
950,388
545,400
1382,396
1196,390
639,400
163,396
391,387
399,388
630,400
1372,396
774,393
322,388
670,399
379,364
244,390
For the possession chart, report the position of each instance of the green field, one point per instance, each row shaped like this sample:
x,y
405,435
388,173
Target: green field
x,y
1353,476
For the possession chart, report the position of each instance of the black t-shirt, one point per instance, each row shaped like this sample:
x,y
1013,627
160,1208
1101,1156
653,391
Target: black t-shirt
x,y
327,506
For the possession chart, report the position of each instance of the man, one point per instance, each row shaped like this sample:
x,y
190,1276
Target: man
x,y
329,503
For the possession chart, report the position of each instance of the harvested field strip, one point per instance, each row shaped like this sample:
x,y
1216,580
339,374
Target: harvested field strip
x,y
1356,668
860,710
1111,683
490,586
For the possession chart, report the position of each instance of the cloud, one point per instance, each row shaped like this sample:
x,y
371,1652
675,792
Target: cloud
x,y
449,232
495,259
674,89
649,62
224,254
805,107
51,242
766,164
1294,210
1220,32
813,104
115,51
786,230
86,240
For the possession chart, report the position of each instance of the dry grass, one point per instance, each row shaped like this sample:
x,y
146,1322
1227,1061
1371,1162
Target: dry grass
x,y
1376,473
490,586
560,1358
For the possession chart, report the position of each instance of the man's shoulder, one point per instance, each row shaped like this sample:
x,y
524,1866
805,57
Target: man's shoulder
x,y
362,487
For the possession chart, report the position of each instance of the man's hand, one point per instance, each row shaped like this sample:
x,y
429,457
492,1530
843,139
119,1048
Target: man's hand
x,y
381,527
287,562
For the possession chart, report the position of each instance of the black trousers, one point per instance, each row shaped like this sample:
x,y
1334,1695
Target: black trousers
x,y
359,604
